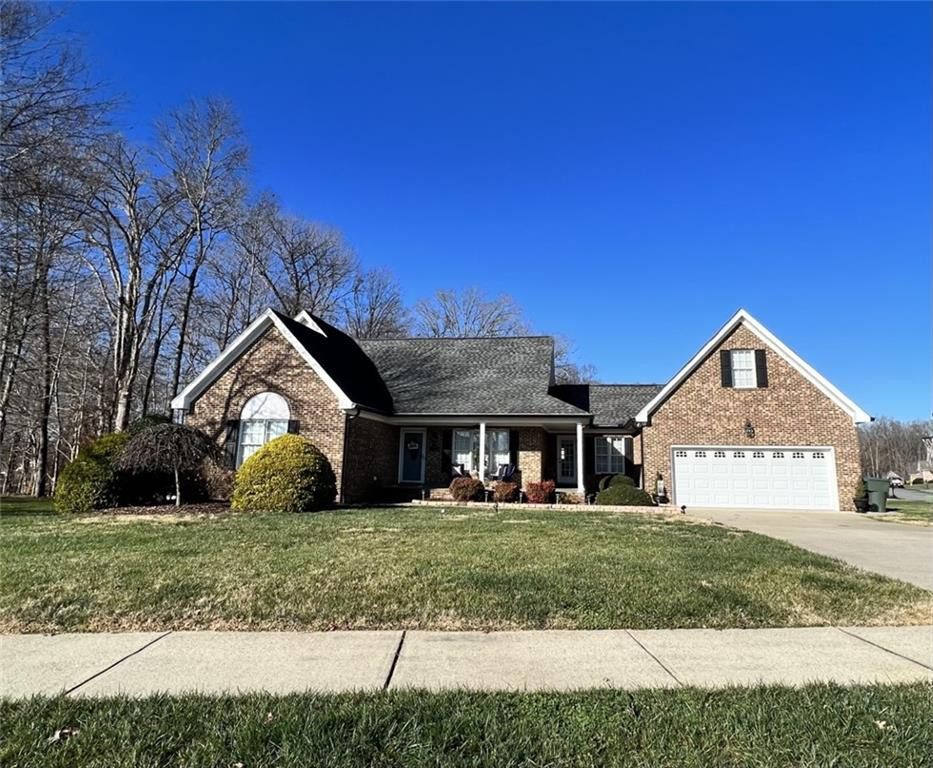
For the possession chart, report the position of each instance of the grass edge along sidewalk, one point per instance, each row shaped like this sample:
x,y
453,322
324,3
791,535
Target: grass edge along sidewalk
x,y
815,725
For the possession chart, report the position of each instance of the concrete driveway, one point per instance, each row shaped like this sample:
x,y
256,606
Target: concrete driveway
x,y
902,552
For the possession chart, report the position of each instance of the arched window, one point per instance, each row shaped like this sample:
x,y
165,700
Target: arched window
x,y
263,418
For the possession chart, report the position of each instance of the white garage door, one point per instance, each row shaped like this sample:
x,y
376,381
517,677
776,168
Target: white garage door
x,y
777,478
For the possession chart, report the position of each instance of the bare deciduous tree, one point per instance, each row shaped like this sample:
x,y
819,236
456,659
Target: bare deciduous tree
x,y
374,307
468,313
888,445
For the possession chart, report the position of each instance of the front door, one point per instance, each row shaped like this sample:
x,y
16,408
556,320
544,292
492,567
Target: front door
x,y
567,460
411,456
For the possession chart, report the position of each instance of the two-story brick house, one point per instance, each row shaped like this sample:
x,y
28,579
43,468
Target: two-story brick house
x,y
745,423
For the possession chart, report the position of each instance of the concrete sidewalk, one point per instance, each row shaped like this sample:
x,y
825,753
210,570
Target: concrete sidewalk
x,y
142,663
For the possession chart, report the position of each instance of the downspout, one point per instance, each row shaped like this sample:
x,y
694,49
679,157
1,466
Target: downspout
x,y
351,413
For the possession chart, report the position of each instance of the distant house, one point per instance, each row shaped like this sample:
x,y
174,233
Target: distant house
x,y
745,423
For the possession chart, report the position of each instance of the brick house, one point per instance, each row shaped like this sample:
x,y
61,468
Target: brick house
x,y
745,423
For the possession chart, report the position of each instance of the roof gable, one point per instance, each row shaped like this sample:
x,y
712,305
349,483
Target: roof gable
x,y
742,317
268,319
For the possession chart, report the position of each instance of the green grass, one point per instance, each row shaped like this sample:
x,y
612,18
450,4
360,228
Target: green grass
x,y
904,511
25,505
819,725
423,568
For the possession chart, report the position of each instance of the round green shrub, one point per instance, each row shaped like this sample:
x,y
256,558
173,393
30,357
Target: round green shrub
x,y
92,480
610,480
288,474
625,495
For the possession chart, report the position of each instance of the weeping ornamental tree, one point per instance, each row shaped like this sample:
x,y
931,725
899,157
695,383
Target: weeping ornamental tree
x,y
170,448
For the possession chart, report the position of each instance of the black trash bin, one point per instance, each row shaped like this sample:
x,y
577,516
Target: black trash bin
x,y
877,493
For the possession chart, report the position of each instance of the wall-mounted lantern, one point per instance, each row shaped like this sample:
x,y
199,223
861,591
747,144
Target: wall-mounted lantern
x,y
749,429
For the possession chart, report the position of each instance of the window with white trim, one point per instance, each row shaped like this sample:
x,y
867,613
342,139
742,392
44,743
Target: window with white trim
x,y
610,454
466,448
743,369
497,449
263,418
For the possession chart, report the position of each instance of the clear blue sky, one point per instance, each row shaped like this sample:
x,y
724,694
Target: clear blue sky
x,y
630,173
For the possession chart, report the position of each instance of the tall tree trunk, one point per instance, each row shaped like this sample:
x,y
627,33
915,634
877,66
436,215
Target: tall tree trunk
x,y
177,487
45,400
183,328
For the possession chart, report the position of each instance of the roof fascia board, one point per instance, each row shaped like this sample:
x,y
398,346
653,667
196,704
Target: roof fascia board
x,y
743,317
414,419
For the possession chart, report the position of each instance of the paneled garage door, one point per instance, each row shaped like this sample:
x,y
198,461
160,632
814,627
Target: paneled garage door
x,y
776,478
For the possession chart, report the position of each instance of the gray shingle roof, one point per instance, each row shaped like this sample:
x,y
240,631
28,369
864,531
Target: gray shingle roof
x,y
478,376
342,358
612,405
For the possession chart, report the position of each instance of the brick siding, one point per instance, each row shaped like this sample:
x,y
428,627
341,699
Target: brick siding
x,y
271,364
790,411
371,461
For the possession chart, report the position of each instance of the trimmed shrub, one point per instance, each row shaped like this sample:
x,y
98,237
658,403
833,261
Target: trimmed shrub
x,y
288,474
505,492
610,480
624,495
467,489
540,493
92,481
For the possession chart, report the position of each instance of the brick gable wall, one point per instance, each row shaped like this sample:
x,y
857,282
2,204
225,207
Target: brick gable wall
x,y
789,411
271,364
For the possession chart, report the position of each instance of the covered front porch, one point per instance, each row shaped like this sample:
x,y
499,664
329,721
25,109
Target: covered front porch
x,y
431,455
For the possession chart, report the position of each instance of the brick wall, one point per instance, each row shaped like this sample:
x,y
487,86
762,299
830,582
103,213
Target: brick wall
x,y
273,365
531,449
371,460
789,411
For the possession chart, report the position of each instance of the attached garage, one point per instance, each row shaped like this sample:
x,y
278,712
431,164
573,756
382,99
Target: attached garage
x,y
763,477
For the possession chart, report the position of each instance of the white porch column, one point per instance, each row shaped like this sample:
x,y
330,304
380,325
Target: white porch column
x,y
482,451
580,486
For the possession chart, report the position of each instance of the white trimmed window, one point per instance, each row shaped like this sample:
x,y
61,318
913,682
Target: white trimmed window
x,y
263,418
466,448
497,449
610,454
743,369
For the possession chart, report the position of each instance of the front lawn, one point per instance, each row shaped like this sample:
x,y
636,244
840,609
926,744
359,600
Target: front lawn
x,y
423,568
818,725
904,511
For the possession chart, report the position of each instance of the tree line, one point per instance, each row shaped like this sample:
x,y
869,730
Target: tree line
x,y
128,265
887,445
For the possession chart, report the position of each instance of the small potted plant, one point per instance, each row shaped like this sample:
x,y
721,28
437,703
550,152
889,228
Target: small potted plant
x,y
861,497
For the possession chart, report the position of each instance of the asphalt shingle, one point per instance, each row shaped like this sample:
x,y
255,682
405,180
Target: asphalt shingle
x,y
469,376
